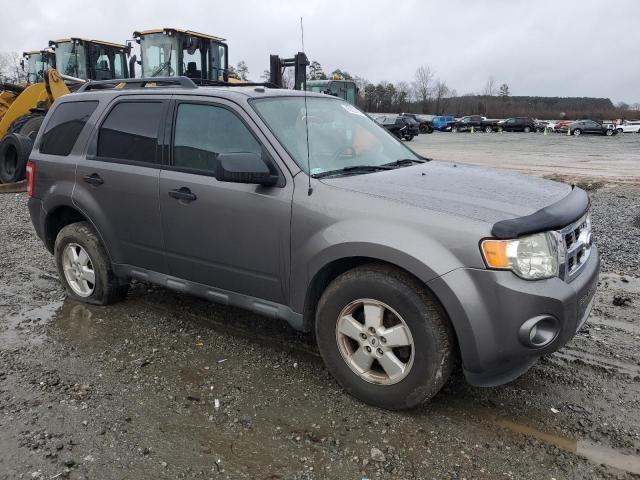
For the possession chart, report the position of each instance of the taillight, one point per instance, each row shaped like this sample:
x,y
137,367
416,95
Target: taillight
x,y
31,174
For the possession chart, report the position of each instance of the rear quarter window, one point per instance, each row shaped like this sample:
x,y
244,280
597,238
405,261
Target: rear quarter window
x,y
64,127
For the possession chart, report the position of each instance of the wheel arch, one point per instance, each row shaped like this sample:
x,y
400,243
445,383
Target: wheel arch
x,y
336,267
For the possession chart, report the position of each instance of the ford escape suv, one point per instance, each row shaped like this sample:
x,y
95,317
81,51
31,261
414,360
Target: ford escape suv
x,y
304,209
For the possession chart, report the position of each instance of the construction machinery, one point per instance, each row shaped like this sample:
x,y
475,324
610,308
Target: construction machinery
x,y
36,62
344,89
22,108
171,52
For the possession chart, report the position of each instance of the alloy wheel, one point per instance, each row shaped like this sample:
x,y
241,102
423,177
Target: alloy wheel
x,y
375,342
78,270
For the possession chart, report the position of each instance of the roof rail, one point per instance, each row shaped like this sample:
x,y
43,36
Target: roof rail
x,y
205,82
183,82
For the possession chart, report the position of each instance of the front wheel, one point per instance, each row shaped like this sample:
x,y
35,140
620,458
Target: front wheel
x,y
408,138
620,130
609,132
454,130
84,266
384,338
527,129
488,129
577,132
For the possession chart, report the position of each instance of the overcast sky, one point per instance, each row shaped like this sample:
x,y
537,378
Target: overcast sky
x,y
538,47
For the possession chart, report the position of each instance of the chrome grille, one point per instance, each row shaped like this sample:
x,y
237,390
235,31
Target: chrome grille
x,y
575,247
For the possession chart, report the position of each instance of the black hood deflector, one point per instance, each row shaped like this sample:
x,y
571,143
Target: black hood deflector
x,y
555,216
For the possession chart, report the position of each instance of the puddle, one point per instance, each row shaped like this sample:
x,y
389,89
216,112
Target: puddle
x,y
593,452
23,327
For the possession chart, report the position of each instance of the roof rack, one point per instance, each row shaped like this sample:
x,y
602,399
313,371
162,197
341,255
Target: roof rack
x,y
183,82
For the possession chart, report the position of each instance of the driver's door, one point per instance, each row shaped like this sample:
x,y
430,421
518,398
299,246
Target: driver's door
x,y
231,236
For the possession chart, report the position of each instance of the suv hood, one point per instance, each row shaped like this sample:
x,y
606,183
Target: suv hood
x,y
463,190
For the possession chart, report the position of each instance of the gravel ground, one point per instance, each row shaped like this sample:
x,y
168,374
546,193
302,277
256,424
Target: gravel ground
x,y
165,385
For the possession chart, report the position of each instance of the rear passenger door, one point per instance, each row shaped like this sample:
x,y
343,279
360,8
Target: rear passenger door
x,y
232,236
117,183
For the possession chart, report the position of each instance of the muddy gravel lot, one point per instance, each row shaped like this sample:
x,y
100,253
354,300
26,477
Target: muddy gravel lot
x,y
165,385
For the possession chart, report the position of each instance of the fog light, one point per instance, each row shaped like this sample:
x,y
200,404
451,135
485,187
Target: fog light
x,y
538,332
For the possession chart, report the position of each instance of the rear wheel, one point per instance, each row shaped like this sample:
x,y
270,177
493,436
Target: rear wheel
x,y
488,129
609,132
620,130
577,132
539,130
84,266
454,130
527,129
408,138
384,338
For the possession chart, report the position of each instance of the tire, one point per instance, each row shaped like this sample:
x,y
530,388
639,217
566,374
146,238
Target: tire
x,y
408,138
14,153
423,129
454,130
620,131
27,125
577,132
539,130
609,132
488,129
527,129
428,363
105,288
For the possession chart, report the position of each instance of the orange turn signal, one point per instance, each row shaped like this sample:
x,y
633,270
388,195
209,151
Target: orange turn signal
x,y
495,253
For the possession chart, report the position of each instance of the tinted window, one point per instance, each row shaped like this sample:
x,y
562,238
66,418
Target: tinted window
x,y
64,127
204,131
130,132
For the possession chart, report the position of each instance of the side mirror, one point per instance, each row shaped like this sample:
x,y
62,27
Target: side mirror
x,y
244,168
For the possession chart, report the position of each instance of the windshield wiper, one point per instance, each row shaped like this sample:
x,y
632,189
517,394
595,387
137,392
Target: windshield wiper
x,y
353,169
404,161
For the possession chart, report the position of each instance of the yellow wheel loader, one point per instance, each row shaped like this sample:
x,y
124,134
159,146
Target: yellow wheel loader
x,y
35,63
23,107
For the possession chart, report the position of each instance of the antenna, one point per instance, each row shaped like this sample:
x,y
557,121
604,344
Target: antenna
x,y
306,113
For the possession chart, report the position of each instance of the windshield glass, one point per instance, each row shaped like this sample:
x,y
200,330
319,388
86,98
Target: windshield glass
x,y
159,55
35,68
218,61
71,59
340,135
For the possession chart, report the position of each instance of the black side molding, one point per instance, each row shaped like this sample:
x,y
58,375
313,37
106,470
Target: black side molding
x,y
555,216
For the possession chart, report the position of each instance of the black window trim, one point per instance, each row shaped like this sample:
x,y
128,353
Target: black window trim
x,y
50,118
214,102
158,164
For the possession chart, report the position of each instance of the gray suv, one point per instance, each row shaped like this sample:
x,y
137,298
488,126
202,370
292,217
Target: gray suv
x,y
304,209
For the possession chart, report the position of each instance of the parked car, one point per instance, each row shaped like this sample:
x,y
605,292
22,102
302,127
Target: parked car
x,y
628,126
517,124
477,122
443,122
563,126
402,127
401,266
424,124
591,127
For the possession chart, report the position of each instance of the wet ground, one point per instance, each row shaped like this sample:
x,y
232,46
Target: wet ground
x,y
165,385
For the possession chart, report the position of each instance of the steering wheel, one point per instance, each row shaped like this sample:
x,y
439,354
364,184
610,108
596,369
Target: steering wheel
x,y
164,66
345,152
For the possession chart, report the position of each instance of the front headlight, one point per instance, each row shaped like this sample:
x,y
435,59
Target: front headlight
x,y
533,257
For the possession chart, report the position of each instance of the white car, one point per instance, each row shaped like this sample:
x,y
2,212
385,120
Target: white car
x,y
628,127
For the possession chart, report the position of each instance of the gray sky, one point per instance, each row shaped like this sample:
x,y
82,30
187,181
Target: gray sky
x,y
539,47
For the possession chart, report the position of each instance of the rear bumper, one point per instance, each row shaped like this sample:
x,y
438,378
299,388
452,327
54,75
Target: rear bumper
x,y
488,308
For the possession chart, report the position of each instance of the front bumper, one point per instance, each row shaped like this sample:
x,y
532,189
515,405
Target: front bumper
x,y
488,307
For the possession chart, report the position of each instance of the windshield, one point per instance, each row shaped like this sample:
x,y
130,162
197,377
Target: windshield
x,y
218,61
35,68
71,59
340,135
159,55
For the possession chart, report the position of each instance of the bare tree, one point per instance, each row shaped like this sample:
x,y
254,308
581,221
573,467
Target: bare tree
x,y
490,87
504,90
10,66
242,70
422,85
441,91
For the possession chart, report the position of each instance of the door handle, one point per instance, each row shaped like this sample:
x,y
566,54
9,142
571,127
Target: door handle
x,y
93,179
182,193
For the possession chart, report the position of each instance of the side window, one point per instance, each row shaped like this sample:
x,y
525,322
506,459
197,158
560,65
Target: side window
x,y
64,127
130,132
204,131
118,64
192,63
